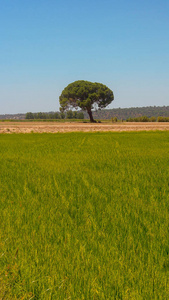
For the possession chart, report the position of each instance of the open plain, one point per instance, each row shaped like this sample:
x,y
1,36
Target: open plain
x,y
54,127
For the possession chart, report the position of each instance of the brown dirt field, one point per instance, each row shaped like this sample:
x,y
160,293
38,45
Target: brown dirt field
x,y
40,127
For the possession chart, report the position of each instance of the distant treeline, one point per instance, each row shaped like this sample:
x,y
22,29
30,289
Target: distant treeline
x,y
133,112
105,114
54,115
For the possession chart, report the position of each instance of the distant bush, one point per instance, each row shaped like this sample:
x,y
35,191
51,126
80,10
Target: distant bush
x,y
80,115
163,119
153,119
29,116
144,119
141,119
62,115
69,114
114,119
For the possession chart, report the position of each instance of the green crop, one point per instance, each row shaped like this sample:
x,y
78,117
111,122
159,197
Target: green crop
x,y
84,216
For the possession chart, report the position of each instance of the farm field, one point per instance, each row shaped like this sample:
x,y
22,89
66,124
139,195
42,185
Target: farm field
x,y
54,127
84,215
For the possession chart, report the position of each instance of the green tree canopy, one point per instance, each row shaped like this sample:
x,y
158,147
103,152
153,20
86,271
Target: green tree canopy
x,y
85,95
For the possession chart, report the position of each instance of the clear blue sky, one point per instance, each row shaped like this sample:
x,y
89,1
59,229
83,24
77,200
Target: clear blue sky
x,y
47,44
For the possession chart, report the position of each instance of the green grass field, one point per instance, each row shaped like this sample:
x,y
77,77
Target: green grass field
x,y
84,216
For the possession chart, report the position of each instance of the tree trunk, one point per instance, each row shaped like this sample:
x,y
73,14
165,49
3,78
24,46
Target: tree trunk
x,y
90,115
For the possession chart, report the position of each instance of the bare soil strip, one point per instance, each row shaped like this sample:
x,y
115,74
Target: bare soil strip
x,y
40,127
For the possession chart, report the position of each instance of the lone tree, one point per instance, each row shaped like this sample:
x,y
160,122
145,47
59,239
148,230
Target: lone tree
x,y
86,95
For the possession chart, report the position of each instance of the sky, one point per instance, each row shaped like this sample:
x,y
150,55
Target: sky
x,y
47,44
